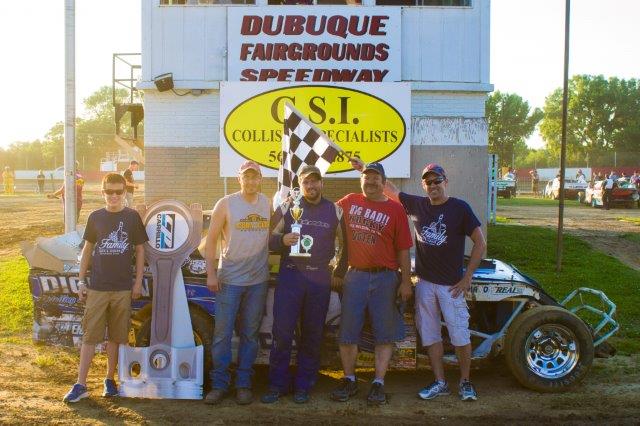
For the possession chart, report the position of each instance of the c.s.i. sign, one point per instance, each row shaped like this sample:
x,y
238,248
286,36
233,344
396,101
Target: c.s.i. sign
x,y
370,121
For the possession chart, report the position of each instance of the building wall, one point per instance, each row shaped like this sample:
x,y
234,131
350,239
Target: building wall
x,y
445,54
439,44
182,148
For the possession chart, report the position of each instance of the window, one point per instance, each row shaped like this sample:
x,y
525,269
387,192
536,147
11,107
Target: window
x,y
318,2
196,2
466,3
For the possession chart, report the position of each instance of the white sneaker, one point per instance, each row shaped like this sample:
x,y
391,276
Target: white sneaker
x,y
435,389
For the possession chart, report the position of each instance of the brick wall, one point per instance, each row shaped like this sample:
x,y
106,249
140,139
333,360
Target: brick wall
x,y
192,175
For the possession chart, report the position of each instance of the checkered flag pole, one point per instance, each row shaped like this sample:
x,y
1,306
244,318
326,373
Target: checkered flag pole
x,y
302,144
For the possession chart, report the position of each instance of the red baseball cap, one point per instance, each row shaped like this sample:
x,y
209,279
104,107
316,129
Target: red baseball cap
x,y
249,165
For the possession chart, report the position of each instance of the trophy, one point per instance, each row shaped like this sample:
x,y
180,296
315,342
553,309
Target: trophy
x,y
306,241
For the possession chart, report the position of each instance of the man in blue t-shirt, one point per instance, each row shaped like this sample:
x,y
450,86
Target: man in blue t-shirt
x,y
112,236
442,224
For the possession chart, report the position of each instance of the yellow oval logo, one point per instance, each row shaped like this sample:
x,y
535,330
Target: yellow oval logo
x,y
362,124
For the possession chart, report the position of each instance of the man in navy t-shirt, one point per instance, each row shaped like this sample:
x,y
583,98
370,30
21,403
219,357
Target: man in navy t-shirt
x,y
442,224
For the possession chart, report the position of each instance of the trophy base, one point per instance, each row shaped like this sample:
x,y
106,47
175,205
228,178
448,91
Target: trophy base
x,y
299,254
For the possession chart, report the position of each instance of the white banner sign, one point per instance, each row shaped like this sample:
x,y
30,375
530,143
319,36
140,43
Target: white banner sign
x,y
314,44
370,121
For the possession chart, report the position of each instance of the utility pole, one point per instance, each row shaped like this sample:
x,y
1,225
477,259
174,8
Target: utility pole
x,y
70,116
563,146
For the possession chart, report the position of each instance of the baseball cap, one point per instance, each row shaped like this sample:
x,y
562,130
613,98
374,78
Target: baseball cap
x,y
249,165
309,170
433,168
376,167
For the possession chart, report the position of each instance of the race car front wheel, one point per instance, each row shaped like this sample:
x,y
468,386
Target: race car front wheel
x,y
549,349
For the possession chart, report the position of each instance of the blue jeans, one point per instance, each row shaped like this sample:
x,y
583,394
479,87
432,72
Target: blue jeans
x,y
300,296
246,303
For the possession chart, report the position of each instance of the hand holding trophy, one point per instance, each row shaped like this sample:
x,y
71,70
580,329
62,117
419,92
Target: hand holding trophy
x,y
296,213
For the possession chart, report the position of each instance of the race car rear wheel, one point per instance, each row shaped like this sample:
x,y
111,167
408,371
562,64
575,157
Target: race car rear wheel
x,y
549,349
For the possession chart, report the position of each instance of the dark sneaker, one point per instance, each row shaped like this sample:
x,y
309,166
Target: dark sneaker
x,y
110,388
376,395
435,389
272,395
301,396
244,396
76,393
215,396
468,391
346,390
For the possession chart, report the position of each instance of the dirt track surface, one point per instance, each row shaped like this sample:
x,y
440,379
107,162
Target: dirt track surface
x,y
33,379
32,393
602,229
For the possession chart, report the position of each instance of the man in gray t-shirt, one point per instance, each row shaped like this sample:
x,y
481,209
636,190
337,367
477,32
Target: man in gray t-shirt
x,y
239,281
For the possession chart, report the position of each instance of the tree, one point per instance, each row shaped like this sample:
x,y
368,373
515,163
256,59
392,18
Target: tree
x,y
511,122
603,116
94,137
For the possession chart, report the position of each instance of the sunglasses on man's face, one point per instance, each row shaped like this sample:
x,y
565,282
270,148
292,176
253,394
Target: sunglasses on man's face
x,y
113,191
436,181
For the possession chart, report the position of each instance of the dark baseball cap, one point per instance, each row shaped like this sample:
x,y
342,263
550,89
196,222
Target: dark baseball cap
x,y
375,167
433,168
309,170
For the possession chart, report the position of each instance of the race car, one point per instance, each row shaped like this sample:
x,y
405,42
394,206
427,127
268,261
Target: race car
x,y
623,193
546,345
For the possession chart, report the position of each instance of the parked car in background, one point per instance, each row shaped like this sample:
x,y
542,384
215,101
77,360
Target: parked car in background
x,y
573,189
506,187
624,193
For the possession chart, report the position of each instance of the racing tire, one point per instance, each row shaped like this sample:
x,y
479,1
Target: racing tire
x,y
507,195
202,324
549,349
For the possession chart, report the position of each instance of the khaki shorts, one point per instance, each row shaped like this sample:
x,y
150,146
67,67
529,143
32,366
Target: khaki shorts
x,y
110,310
432,300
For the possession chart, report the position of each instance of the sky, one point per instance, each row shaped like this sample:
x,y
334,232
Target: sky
x,y
527,42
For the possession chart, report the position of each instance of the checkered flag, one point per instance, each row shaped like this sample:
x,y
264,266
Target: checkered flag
x,y
302,144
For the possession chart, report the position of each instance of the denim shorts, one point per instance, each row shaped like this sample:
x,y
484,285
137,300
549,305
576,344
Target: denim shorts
x,y
374,292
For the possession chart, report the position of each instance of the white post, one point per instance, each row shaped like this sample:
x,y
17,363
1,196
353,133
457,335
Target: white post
x,y
70,117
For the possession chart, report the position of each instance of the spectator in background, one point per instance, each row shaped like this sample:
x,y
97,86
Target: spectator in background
x,y
607,188
613,175
535,183
635,179
40,179
79,186
8,179
131,185
510,175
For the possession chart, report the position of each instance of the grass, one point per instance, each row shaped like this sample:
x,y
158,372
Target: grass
x,y
631,237
532,250
530,201
16,306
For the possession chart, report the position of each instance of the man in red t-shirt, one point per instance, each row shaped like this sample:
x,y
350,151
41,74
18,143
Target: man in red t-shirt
x,y
378,242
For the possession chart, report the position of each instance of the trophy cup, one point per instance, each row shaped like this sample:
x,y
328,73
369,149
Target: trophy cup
x,y
296,213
